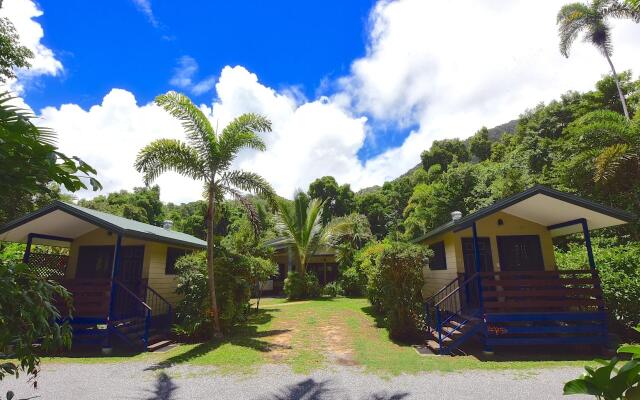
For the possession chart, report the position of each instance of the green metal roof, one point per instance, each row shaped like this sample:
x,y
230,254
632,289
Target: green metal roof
x,y
114,223
468,220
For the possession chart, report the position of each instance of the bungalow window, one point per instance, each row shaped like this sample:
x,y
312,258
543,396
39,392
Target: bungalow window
x,y
173,254
439,259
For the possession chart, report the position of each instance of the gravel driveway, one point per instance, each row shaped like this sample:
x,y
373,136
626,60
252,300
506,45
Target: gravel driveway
x,y
143,381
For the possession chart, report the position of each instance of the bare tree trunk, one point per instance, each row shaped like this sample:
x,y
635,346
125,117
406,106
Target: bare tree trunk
x,y
217,332
615,78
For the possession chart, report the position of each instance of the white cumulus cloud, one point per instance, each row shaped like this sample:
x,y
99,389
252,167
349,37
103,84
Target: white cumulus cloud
x,y
183,77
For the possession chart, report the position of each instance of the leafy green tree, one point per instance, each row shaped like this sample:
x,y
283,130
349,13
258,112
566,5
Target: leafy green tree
x,y
576,18
301,221
31,167
207,157
28,316
444,152
12,54
338,199
348,234
480,145
189,218
374,206
143,204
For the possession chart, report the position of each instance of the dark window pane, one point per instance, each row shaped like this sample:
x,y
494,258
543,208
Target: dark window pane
x,y
439,258
172,255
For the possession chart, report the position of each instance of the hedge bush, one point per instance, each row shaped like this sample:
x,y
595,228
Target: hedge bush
x,y
395,284
233,291
298,286
332,289
618,265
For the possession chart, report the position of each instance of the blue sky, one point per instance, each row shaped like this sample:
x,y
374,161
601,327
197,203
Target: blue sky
x,y
113,44
355,89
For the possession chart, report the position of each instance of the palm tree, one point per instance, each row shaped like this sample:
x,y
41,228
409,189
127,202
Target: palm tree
x,y
591,19
207,156
301,221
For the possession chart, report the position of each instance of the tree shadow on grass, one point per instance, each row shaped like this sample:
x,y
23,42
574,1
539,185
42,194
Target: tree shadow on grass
x,y
310,389
244,336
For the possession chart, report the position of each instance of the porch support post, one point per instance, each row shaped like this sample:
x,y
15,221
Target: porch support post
x,y
27,251
114,273
325,271
289,259
587,243
476,247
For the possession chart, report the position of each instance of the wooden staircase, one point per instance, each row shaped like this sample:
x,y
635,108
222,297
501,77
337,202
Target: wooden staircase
x,y
137,322
452,334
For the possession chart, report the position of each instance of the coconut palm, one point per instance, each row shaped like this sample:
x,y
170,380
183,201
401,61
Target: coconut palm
x,y
207,156
301,221
591,19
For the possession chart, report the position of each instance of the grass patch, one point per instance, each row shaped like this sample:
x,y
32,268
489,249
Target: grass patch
x,y
307,334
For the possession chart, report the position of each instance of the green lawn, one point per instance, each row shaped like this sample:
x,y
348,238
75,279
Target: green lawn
x,y
308,335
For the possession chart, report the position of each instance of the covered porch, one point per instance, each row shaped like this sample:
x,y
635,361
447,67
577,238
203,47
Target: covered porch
x,y
508,289
104,261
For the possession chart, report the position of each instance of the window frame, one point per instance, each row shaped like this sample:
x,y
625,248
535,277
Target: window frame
x,y
171,269
438,246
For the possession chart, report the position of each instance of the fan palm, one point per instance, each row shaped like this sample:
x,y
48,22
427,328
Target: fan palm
x,y
576,18
207,156
620,160
301,221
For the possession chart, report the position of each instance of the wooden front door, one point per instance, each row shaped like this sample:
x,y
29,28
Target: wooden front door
x,y
486,264
520,253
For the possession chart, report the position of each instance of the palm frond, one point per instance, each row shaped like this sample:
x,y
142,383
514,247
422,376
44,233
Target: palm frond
x,y
19,121
242,133
198,129
252,212
249,182
629,9
572,19
164,155
609,162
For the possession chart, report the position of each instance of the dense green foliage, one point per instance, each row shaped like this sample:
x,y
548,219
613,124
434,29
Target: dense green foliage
x,y
298,286
234,282
396,282
610,382
338,199
28,315
618,265
143,204
579,144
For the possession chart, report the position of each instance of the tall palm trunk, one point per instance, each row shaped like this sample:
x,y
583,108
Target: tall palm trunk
x,y
615,78
217,332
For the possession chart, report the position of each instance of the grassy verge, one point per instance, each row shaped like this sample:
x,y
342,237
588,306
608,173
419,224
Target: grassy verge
x,y
308,335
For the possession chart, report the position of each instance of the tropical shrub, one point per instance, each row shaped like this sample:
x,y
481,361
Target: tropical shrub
x,y
298,286
353,282
619,269
233,291
28,316
599,382
397,279
332,289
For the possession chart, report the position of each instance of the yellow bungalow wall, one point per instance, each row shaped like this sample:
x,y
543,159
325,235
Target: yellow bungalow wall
x,y
486,227
153,265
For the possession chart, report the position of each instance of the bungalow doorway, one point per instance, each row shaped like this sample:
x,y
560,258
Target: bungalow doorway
x,y
520,253
486,264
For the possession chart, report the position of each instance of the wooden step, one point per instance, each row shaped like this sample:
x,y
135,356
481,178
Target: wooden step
x,y
159,345
433,345
434,334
